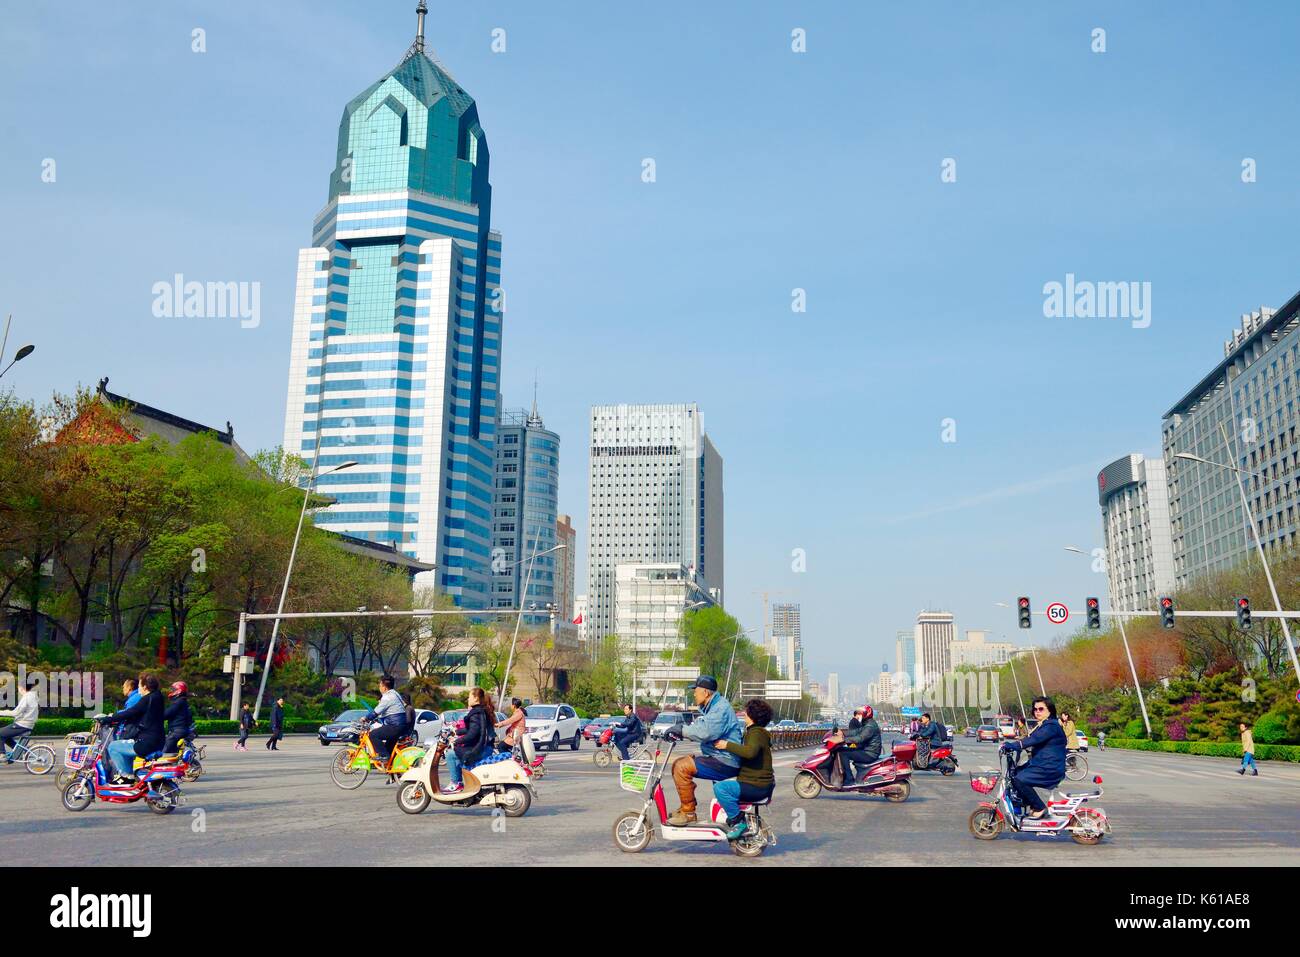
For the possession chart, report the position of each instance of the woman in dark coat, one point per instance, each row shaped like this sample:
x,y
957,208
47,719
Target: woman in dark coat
x,y
1046,765
474,741
147,715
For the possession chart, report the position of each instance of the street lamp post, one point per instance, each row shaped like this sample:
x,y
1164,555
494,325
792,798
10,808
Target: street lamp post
x,y
672,661
1128,652
1259,546
284,591
528,579
734,645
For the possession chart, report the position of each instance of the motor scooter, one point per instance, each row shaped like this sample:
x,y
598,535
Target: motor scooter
x,y
155,779
889,777
942,758
633,830
1066,811
499,781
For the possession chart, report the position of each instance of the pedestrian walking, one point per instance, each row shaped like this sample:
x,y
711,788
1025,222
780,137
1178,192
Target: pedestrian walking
x,y
277,725
246,723
1101,740
1247,752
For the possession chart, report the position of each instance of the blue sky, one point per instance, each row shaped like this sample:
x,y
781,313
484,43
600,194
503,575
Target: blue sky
x,y
775,171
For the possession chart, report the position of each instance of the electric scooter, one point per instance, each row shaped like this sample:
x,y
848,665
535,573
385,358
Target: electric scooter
x,y
941,759
889,777
501,781
1066,812
634,829
156,780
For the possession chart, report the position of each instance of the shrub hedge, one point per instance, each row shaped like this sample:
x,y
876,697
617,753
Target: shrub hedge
x,y
1216,749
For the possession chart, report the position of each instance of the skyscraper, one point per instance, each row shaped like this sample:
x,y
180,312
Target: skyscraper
x,y
905,654
395,357
935,632
787,639
567,563
1134,500
523,513
655,498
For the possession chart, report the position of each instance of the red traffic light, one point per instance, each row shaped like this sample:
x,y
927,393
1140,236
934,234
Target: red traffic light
x,y
1166,602
1092,603
1024,603
1243,602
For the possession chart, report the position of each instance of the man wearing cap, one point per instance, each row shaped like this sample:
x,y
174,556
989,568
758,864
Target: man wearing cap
x,y
717,721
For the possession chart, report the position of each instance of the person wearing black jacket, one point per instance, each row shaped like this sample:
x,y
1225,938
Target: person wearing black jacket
x,y
246,723
628,732
867,738
474,741
147,715
180,720
277,725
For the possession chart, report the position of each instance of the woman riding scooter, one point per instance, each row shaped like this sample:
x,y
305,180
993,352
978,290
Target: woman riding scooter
x,y
1046,765
755,780
472,743
147,715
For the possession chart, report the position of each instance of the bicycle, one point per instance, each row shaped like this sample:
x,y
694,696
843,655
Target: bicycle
x,y
1076,766
38,760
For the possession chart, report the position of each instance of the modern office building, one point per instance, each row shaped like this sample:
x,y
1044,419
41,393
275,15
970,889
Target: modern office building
x,y
786,640
396,344
905,654
833,689
655,497
934,634
1138,537
976,651
649,601
524,502
566,561
579,618
1251,396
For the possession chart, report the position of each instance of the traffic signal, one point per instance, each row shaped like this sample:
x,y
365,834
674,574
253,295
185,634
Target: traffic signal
x,y
1024,613
1094,613
1243,613
1167,612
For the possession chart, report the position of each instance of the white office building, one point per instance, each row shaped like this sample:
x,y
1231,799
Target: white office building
x,y
934,634
785,643
649,601
976,651
1138,538
655,498
1251,395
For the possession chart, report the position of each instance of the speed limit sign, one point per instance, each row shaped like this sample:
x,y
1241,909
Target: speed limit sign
x,y
1057,613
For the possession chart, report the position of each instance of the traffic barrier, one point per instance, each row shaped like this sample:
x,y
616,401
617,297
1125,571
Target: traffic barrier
x,y
789,739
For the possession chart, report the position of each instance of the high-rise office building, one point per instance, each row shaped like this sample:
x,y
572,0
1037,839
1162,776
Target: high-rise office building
x,y
833,689
787,639
395,356
934,633
1139,543
567,563
524,500
1253,398
905,654
655,497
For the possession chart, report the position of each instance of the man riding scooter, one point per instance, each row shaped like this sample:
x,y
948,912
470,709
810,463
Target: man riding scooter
x,y
1046,765
717,721
865,741
928,737
628,732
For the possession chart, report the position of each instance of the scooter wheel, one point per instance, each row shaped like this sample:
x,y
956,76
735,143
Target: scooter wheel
x,y
946,767
601,757
903,792
632,832
985,823
1089,827
167,793
806,785
750,845
516,801
413,797
79,794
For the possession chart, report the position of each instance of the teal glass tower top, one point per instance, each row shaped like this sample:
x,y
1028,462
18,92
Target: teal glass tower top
x,y
414,128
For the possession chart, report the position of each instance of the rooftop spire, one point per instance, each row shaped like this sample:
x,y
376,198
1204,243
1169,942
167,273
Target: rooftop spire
x,y
418,46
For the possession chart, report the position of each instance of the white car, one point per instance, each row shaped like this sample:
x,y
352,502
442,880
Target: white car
x,y
1083,740
428,725
552,725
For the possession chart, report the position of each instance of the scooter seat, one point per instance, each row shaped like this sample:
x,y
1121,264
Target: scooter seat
x,y
1083,794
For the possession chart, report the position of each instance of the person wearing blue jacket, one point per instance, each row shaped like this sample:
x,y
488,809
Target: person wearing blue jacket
x,y
717,721
628,731
1046,766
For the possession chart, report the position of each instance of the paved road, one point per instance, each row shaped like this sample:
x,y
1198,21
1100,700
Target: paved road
x,y
260,807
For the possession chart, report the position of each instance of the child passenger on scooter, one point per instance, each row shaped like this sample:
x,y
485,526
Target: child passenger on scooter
x,y
755,781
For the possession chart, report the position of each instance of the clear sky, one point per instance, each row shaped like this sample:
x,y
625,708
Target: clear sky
x,y
775,170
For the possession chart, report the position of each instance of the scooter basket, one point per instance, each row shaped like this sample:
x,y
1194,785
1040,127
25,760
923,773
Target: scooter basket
x,y
74,756
635,775
985,782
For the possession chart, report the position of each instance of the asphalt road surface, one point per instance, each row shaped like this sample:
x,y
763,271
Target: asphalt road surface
x,y
263,808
